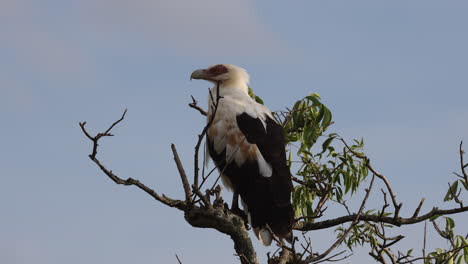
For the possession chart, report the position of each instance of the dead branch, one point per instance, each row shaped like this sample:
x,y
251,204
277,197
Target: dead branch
x,y
201,136
129,181
194,105
424,242
416,212
178,260
183,176
227,223
204,217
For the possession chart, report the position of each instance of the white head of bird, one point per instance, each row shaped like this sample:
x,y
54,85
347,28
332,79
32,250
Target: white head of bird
x,y
227,75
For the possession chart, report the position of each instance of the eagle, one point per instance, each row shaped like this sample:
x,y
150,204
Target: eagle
x,y
247,146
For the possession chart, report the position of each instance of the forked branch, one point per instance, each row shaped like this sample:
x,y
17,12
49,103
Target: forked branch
x,y
129,181
207,216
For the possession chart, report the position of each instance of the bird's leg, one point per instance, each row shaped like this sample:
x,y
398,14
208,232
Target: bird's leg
x,y
236,210
235,201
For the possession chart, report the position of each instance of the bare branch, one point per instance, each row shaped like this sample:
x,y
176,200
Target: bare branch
x,y
96,138
332,258
194,105
107,133
183,176
382,212
130,181
416,212
202,135
390,254
462,163
227,223
202,197
424,242
178,260
205,217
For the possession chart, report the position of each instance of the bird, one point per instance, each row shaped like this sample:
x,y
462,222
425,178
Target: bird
x,y
248,147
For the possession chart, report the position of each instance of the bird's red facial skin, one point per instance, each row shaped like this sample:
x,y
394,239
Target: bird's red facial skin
x,y
217,70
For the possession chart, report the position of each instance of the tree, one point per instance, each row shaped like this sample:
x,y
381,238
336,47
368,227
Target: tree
x,y
331,173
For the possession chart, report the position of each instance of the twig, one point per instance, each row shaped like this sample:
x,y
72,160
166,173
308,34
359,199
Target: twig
x,y
202,135
390,255
96,138
382,212
379,175
178,260
462,163
345,234
183,175
129,181
202,197
206,177
442,234
416,212
343,203
194,105
395,240
229,160
318,212
330,259
424,242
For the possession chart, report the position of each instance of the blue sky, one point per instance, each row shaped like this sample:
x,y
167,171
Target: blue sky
x,y
392,72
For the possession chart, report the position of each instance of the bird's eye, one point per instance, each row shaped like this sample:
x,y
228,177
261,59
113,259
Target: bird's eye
x,y
218,69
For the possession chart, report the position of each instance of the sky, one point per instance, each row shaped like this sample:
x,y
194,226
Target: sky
x,y
392,72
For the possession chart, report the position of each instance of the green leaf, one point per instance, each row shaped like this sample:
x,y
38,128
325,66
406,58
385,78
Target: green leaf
x,y
321,113
449,223
465,184
451,191
327,118
253,96
326,143
465,250
258,100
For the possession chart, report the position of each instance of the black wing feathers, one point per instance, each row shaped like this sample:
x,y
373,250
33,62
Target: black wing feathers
x,y
252,128
273,193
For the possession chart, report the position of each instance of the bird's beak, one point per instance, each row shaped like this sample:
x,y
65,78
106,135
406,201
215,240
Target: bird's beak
x,y
198,74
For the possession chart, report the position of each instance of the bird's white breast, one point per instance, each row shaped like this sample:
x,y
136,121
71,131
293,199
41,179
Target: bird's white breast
x,y
225,134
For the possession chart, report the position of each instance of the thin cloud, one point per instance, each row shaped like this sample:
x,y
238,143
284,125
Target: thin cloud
x,y
56,44
197,28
